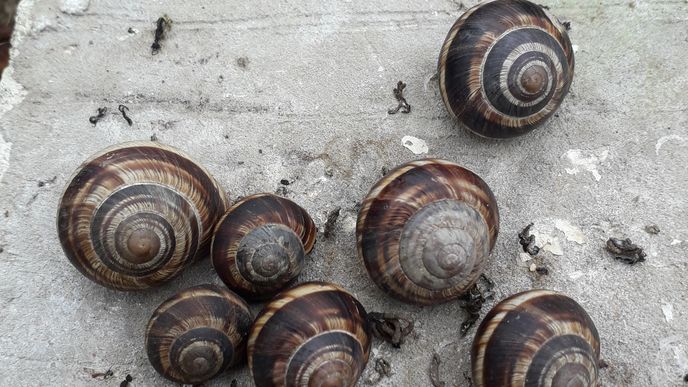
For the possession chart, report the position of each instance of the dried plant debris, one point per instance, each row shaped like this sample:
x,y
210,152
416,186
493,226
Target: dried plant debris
x,y
42,183
126,381
100,375
435,371
382,369
685,378
473,302
124,109
527,241
285,182
331,222
154,137
385,171
399,95
243,62
567,25
163,25
625,251
99,116
652,229
390,328
602,364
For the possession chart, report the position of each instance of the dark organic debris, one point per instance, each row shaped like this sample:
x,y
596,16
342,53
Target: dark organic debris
x,y
285,182
154,137
329,172
473,302
435,371
382,369
240,162
331,222
544,6
625,251
260,151
243,62
99,116
567,25
399,95
385,171
131,30
126,381
124,109
467,376
527,241
685,378
42,183
234,383
652,229
102,375
390,328
542,270
602,364
163,24
282,191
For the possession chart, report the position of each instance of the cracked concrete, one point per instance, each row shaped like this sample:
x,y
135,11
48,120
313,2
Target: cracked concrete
x,y
299,89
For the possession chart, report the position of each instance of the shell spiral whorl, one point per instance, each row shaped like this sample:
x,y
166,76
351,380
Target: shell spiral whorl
x,y
536,338
134,215
314,334
426,230
505,67
259,246
198,333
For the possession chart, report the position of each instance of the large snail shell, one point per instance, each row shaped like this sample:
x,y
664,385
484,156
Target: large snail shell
x,y
314,334
505,67
537,338
426,230
198,333
134,215
260,245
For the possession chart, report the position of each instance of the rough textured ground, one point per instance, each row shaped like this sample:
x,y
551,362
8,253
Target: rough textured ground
x,y
313,95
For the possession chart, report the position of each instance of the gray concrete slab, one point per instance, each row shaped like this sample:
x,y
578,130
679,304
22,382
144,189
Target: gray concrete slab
x,y
313,96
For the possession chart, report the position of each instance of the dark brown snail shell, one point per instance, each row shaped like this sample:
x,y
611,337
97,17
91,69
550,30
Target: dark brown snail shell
x,y
505,67
314,334
198,334
536,338
259,246
134,215
426,230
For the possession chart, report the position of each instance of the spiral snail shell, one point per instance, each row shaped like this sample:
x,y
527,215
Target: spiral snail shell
x,y
505,67
536,338
134,215
259,246
197,334
314,334
426,230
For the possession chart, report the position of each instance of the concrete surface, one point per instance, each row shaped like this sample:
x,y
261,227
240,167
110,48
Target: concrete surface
x,y
314,96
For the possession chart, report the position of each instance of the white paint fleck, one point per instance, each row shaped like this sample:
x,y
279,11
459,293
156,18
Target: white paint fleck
x,y
665,139
74,7
415,145
668,311
585,162
575,48
532,267
676,242
548,242
572,232
576,275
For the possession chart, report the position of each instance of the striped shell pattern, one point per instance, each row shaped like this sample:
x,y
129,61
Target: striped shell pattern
x,y
538,338
134,215
505,67
426,230
198,333
260,245
314,334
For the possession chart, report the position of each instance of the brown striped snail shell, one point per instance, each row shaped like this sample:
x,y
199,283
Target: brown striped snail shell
x,y
426,230
536,338
198,333
134,215
505,67
260,245
314,334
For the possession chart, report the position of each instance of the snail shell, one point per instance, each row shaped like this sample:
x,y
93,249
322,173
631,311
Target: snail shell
x,y
198,333
314,334
536,338
134,215
259,246
505,67
426,229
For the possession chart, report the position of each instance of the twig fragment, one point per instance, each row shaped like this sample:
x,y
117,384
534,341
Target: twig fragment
x,y
625,251
390,328
399,95
435,371
124,109
163,24
99,116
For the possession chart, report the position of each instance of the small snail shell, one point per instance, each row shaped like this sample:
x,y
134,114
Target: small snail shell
x,y
134,215
536,338
426,229
198,333
314,334
260,244
505,67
